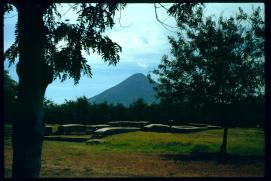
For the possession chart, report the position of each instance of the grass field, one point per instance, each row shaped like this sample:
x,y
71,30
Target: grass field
x,y
150,154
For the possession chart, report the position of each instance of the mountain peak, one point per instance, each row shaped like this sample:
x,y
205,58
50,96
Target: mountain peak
x,y
134,87
138,75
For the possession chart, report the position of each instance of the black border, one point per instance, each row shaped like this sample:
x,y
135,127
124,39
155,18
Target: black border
x,y
2,87
267,4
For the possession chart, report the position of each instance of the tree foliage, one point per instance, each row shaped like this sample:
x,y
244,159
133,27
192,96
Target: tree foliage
x,y
215,66
66,41
213,61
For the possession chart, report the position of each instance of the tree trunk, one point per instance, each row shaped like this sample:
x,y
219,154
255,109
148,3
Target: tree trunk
x,y
224,117
223,149
34,77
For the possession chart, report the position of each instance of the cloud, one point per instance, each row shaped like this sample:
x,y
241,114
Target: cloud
x,y
142,65
145,40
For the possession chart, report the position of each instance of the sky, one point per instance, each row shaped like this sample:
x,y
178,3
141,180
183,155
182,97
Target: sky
x,y
143,40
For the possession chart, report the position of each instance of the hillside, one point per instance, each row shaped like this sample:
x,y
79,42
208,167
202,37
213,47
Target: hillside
x,y
134,87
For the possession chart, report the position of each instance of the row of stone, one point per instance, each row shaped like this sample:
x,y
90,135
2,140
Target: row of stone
x,y
87,129
103,132
98,131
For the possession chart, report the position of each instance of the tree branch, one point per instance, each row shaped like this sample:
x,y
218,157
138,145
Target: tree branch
x,y
121,24
162,22
69,10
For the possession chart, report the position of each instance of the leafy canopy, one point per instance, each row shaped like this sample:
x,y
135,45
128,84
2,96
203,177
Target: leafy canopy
x,y
66,41
213,60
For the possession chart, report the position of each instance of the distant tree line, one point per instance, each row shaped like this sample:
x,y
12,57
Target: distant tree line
x,y
80,111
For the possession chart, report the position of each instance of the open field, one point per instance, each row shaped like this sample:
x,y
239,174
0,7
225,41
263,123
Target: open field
x,y
150,154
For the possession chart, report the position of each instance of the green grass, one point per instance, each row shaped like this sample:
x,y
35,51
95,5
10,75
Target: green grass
x,y
151,154
241,141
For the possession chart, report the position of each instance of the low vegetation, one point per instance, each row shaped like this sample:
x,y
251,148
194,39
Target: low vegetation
x,y
152,154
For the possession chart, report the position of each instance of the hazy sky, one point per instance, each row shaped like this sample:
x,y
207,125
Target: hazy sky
x,y
143,41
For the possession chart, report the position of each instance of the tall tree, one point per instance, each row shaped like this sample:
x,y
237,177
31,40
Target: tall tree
x,y
39,33
213,62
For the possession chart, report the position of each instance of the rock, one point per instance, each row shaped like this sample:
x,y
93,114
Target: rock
x,y
173,129
112,130
213,127
204,125
197,124
157,127
90,130
186,129
97,126
95,141
72,128
128,123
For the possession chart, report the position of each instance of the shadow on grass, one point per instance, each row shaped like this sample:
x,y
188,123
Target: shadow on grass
x,y
217,157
